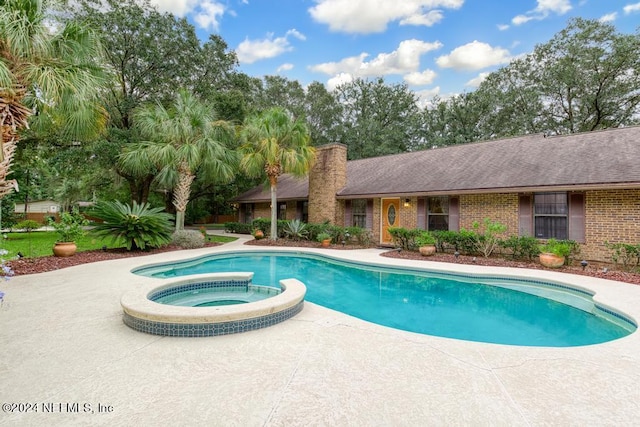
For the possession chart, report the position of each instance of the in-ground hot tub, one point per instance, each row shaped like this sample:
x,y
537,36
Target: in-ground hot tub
x,y
211,304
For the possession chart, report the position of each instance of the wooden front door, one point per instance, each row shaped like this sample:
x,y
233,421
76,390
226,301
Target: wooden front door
x,y
390,218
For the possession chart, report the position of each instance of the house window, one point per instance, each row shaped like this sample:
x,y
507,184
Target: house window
x,y
305,211
438,213
550,213
282,210
359,213
248,212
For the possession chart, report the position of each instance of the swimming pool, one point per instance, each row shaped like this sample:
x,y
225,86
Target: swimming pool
x,y
469,307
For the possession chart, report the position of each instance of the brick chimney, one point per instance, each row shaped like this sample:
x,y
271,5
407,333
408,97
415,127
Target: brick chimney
x,y
328,175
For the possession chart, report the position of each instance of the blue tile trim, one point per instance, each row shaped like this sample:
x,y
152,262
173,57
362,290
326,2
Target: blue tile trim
x,y
210,329
218,285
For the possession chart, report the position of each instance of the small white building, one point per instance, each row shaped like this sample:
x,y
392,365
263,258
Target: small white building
x,y
38,210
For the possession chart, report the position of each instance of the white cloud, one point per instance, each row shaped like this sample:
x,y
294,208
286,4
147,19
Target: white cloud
x,y
250,51
475,82
609,17
630,8
206,13
503,27
544,8
209,15
425,97
336,81
176,7
423,78
405,59
521,19
474,56
373,16
285,67
428,19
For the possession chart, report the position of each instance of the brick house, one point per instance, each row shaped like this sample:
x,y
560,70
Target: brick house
x,y
584,187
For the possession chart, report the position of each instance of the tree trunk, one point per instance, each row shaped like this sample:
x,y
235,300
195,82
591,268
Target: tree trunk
x,y
13,116
181,194
274,208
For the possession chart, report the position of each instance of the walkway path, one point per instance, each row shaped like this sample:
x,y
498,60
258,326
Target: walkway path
x,y
64,350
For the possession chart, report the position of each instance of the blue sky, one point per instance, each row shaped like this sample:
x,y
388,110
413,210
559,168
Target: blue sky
x,y
438,47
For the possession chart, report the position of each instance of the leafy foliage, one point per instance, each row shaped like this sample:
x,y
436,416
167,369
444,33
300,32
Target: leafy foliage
x,y
521,247
274,143
70,226
188,239
488,238
28,225
296,230
405,238
625,254
139,225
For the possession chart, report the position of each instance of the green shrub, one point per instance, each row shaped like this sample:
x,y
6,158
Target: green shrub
x,y
522,247
264,224
28,225
295,230
487,239
140,226
557,247
237,228
445,239
70,227
624,254
361,235
405,238
314,229
323,236
466,241
425,238
187,239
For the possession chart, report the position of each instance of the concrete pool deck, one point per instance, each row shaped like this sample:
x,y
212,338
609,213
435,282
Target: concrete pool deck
x,y
66,352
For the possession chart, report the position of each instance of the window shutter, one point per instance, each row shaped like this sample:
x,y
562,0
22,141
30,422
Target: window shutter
x,y
299,213
347,213
525,216
454,214
369,214
422,213
577,217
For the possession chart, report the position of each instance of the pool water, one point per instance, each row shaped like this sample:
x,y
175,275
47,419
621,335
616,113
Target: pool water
x,y
446,305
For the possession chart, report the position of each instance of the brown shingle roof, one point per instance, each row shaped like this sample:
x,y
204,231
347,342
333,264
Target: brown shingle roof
x,y
607,158
289,188
601,158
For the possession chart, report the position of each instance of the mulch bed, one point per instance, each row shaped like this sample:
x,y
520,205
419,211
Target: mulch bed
x,y
24,266
42,264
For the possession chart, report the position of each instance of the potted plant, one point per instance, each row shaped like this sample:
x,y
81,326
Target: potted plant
x,y
69,229
258,234
325,239
554,252
426,243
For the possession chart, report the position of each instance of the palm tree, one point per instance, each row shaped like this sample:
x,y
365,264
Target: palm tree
x,y
49,72
273,144
184,139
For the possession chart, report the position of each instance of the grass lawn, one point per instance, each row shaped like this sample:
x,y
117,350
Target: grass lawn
x,y
40,243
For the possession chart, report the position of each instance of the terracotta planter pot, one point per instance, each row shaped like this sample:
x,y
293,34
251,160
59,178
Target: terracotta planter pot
x,y
551,260
258,234
427,250
64,249
326,243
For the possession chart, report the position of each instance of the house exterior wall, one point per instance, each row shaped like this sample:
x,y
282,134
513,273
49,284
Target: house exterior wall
x,y
262,210
501,207
292,210
327,176
611,216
